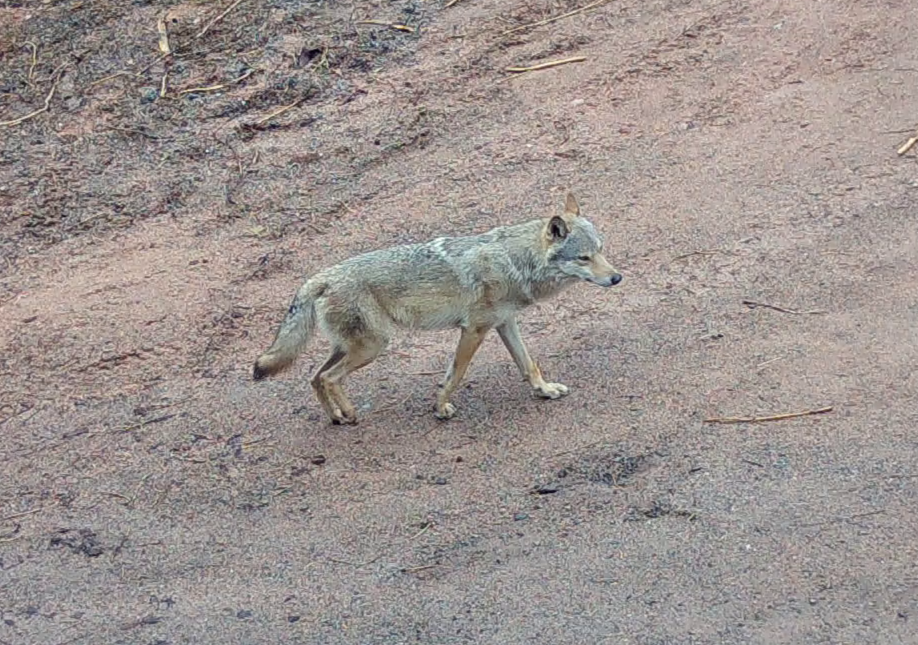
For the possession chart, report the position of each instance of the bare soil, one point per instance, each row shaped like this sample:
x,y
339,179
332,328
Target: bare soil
x,y
157,217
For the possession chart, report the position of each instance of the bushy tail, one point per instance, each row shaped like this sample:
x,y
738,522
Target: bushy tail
x,y
291,337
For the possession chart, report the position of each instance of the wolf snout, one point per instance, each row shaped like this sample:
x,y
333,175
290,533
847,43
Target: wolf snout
x,y
607,281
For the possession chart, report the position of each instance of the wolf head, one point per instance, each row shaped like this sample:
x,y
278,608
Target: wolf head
x,y
574,249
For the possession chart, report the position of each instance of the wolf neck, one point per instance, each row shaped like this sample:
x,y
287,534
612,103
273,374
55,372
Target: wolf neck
x,y
533,276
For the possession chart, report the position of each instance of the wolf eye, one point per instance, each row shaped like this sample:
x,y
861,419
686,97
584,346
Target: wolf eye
x,y
584,258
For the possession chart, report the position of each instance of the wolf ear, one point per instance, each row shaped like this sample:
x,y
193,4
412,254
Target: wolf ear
x,y
571,207
557,228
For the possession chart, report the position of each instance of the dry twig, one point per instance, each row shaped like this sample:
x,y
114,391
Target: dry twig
x,y
34,60
907,145
356,564
554,63
424,530
390,25
423,567
450,4
775,417
148,422
218,18
22,514
142,133
164,46
752,304
539,23
110,493
277,113
850,518
35,113
694,253
124,72
214,88
392,406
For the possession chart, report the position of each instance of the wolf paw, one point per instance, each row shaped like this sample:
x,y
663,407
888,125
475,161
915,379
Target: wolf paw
x,y
445,411
550,390
340,418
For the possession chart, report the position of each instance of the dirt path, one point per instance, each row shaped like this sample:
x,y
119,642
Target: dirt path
x,y
733,151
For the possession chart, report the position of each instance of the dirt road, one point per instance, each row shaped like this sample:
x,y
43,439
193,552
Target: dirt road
x,y
156,218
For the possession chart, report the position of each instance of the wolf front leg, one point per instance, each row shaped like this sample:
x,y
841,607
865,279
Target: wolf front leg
x,y
510,334
469,342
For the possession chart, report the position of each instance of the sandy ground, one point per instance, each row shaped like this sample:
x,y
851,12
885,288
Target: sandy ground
x,y
153,233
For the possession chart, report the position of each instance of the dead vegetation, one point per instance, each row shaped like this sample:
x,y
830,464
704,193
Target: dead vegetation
x,y
144,97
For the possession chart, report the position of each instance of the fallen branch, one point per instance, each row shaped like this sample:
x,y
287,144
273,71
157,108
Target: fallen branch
x,y
218,18
753,304
539,23
907,145
36,112
776,417
390,25
554,63
214,88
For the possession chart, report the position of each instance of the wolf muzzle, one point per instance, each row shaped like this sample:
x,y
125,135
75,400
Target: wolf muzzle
x,y
609,281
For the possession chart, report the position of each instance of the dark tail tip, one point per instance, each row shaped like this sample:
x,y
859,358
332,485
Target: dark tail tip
x,y
259,373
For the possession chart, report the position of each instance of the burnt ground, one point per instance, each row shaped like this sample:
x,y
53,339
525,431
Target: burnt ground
x,y
154,231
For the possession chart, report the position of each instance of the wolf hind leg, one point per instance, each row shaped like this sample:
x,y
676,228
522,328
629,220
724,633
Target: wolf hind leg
x,y
328,380
320,387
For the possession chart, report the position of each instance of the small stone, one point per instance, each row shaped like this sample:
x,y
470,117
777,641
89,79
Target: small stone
x,y
292,619
520,517
440,481
242,614
318,460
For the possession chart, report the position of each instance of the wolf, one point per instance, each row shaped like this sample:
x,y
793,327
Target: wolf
x,y
474,283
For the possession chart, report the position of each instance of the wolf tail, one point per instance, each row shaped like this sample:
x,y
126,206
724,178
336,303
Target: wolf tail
x,y
293,334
